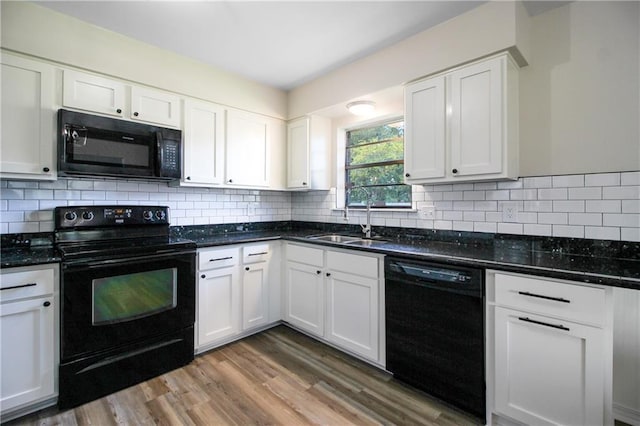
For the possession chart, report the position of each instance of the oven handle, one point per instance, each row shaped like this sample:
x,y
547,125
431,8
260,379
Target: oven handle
x,y
136,259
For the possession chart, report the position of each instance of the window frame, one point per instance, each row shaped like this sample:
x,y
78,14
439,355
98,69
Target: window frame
x,y
343,167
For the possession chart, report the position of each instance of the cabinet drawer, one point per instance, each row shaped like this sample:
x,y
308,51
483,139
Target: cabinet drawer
x,y
218,258
304,254
20,285
574,302
256,253
352,263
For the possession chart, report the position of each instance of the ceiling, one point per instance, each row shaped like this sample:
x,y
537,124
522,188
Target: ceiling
x,y
279,43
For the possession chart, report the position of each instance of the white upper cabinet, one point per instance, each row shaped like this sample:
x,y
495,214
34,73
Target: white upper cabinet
x,y
247,149
153,106
103,95
309,153
463,125
425,130
28,119
93,93
203,143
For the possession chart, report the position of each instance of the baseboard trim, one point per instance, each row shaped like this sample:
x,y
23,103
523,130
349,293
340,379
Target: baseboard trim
x,y
626,414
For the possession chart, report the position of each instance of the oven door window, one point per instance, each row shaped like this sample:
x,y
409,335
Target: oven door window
x,y
128,297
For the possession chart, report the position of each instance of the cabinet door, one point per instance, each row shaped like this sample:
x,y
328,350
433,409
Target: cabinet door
x,y
477,118
203,143
218,305
153,106
304,297
352,313
247,149
424,155
548,371
255,295
28,121
26,351
298,154
92,93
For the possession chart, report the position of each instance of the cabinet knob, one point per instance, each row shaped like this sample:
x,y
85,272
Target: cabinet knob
x,y
246,268
318,272
203,276
46,304
454,171
135,114
304,183
230,180
119,111
407,174
45,169
188,177
328,274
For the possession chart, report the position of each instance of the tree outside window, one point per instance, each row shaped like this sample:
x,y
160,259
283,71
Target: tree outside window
x,y
375,166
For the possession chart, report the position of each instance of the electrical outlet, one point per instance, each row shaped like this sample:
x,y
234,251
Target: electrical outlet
x,y
428,212
509,212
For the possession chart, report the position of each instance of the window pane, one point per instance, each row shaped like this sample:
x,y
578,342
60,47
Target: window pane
x,y
377,133
392,149
380,175
381,196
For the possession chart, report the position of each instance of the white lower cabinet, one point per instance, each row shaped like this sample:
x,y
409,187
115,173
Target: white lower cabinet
x,y
550,351
335,294
238,292
29,339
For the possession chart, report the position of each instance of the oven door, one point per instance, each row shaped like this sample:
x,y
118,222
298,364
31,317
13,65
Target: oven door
x,y
109,304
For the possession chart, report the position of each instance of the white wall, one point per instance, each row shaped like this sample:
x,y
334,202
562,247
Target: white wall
x,y
579,97
41,32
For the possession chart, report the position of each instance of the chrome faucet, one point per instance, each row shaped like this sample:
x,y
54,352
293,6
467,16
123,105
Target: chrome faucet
x,y
366,229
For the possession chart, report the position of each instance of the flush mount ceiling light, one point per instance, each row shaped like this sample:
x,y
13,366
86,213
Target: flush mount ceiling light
x,y
361,107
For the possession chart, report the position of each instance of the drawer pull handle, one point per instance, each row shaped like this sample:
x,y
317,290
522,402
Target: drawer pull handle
x,y
558,326
221,258
258,254
540,296
19,286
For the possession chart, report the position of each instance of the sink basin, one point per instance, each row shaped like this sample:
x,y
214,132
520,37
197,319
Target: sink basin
x,y
365,243
335,238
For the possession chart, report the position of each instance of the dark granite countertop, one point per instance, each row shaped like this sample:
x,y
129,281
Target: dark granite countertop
x,y
27,249
613,263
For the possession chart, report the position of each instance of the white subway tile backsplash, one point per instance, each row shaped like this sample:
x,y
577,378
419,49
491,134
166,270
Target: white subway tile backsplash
x,y
568,181
599,206
602,179
553,194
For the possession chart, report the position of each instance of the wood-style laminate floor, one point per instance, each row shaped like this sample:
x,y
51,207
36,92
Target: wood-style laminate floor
x,y
277,377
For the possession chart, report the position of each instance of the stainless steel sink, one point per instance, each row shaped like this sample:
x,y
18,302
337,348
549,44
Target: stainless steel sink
x,y
362,242
335,238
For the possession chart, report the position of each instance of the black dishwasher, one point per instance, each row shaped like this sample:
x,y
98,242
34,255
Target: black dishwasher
x,y
435,330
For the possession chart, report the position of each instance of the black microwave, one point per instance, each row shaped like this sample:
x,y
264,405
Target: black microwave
x,y
92,145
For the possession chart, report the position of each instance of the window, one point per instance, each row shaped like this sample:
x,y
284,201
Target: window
x,y
374,167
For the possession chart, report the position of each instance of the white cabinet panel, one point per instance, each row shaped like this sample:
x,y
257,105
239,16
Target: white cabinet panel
x,y
298,154
255,295
547,374
93,93
352,313
218,304
309,155
425,130
153,106
247,149
203,143
28,121
305,297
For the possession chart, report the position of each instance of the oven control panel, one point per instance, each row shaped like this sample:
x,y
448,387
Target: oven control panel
x,y
104,216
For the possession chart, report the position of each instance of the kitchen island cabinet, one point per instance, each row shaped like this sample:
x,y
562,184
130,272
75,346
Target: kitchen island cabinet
x,y
462,125
552,352
28,123
335,295
29,338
